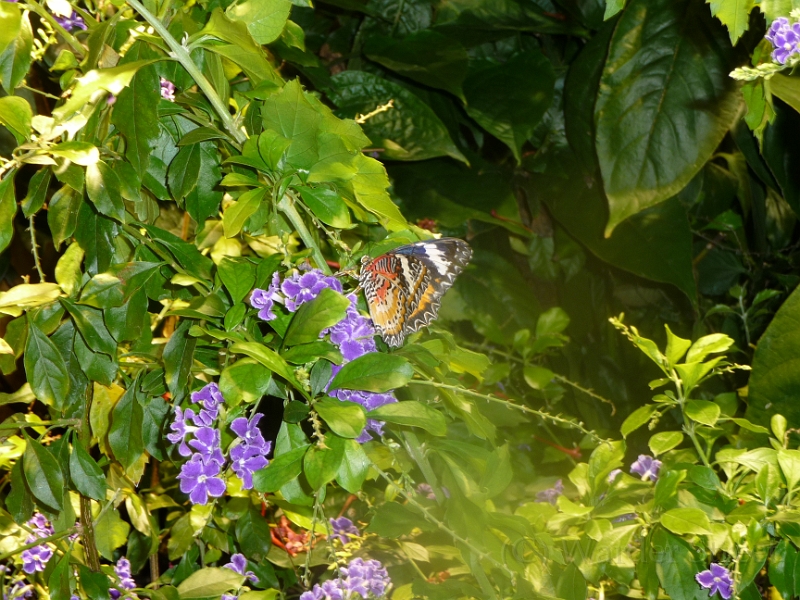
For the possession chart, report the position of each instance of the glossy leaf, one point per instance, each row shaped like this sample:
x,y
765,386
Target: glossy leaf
x,y
16,115
413,414
313,317
135,114
8,208
92,328
264,18
178,358
346,419
125,434
37,190
236,214
43,474
45,367
281,470
320,465
327,205
374,372
209,582
665,103
86,475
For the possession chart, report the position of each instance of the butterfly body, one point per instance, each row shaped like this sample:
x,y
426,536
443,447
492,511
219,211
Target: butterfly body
x,y
404,287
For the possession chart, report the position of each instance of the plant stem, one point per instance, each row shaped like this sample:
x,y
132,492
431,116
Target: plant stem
x,y
286,206
521,407
85,440
182,56
586,391
35,249
52,538
56,423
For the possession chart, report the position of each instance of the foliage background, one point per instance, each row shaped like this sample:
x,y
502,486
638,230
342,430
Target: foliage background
x,y
599,160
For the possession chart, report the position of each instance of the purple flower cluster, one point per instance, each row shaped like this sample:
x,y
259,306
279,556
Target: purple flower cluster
x,y
167,89
18,589
343,529
238,565
354,335
716,579
200,476
73,21
126,582
35,559
785,38
250,453
550,495
646,467
360,578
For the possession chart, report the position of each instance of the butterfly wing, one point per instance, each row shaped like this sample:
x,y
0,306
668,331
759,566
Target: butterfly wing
x,y
404,287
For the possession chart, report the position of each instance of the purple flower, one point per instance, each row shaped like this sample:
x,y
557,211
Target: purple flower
x,y
716,579
612,477
35,559
207,443
180,429
167,90
249,432
74,21
200,479
238,564
300,288
551,495
364,577
647,467
18,589
343,528
354,334
123,571
210,398
264,300
785,38
228,597
329,590
246,460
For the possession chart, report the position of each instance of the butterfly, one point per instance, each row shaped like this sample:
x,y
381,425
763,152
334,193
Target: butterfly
x,y
404,287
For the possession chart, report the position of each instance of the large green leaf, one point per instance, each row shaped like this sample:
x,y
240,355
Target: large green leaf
x,y
412,414
665,102
135,114
8,208
86,475
16,115
46,369
281,470
676,565
264,18
313,317
374,372
125,434
270,359
210,582
509,100
93,329
426,56
734,14
655,244
15,60
43,474
346,419
775,381
410,130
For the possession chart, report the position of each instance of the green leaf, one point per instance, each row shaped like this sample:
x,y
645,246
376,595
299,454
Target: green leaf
x,y
425,56
8,208
135,114
10,23
112,80
19,500
393,520
311,318
178,357
662,229
95,584
280,471
239,277
353,468
374,372
571,584
253,534
346,419
412,414
86,475
676,565
665,102
410,130
509,100
187,255
306,353
327,205
708,344
15,61
244,381
58,580
705,477
46,369
236,215
686,520
103,189
676,346
270,359
264,18
92,327
271,148
37,189
734,14
110,532
184,171
703,411
125,434
789,461
320,465
665,441
43,474
16,115
641,416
